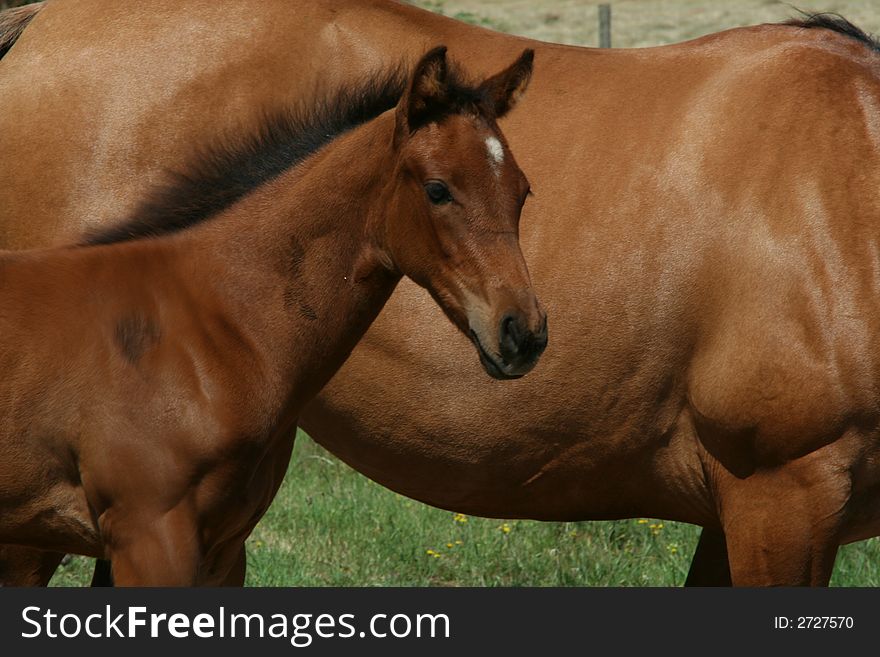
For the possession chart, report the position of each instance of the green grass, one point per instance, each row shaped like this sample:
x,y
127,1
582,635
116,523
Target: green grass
x,y
330,526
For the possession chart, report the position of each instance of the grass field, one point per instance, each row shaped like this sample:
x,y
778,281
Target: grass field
x,y
330,526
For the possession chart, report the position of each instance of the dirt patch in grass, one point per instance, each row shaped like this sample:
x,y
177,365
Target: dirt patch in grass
x,y
639,23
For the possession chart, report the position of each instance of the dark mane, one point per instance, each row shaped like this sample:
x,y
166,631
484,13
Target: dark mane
x,y
12,24
219,176
835,23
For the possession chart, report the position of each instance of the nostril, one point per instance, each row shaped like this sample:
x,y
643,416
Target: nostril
x,y
519,344
541,335
508,325
510,337
540,343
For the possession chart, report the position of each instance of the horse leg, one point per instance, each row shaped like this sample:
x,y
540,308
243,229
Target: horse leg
x,y
709,566
237,573
158,551
103,575
227,567
783,525
21,566
232,558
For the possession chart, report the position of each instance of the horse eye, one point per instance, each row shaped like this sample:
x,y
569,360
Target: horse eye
x,y
438,192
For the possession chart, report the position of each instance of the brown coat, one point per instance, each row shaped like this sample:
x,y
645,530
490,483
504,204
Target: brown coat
x,y
703,232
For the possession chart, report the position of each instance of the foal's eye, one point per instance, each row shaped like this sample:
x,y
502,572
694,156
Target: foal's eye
x,y
438,193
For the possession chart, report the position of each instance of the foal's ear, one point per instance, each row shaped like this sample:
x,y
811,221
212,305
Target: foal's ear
x,y
427,90
506,88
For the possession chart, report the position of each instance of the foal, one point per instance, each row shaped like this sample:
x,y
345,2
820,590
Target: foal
x,y
151,379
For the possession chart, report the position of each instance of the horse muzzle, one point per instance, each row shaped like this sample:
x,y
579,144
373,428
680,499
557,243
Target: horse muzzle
x,y
519,347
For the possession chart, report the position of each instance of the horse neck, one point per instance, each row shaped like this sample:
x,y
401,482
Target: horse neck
x,y
303,268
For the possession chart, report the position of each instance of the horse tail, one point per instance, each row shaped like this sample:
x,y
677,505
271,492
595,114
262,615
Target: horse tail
x,y
12,24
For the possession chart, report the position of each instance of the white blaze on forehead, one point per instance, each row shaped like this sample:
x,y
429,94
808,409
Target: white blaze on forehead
x,y
496,150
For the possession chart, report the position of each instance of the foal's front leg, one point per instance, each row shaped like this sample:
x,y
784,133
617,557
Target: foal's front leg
x,y
227,566
236,574
156,549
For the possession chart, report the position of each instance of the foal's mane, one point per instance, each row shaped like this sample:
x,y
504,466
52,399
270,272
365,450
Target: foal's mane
x,y
835,23
218,176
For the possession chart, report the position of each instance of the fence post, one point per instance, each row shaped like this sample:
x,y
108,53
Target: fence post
x,y
604,26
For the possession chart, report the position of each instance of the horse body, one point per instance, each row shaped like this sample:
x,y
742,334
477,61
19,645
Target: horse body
x,y
152,383
79,451
713,289
703,230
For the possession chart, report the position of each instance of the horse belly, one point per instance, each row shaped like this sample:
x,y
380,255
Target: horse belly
x,y
515,469
573,440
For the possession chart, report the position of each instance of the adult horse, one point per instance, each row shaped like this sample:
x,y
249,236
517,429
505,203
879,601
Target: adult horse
x,y
703,232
